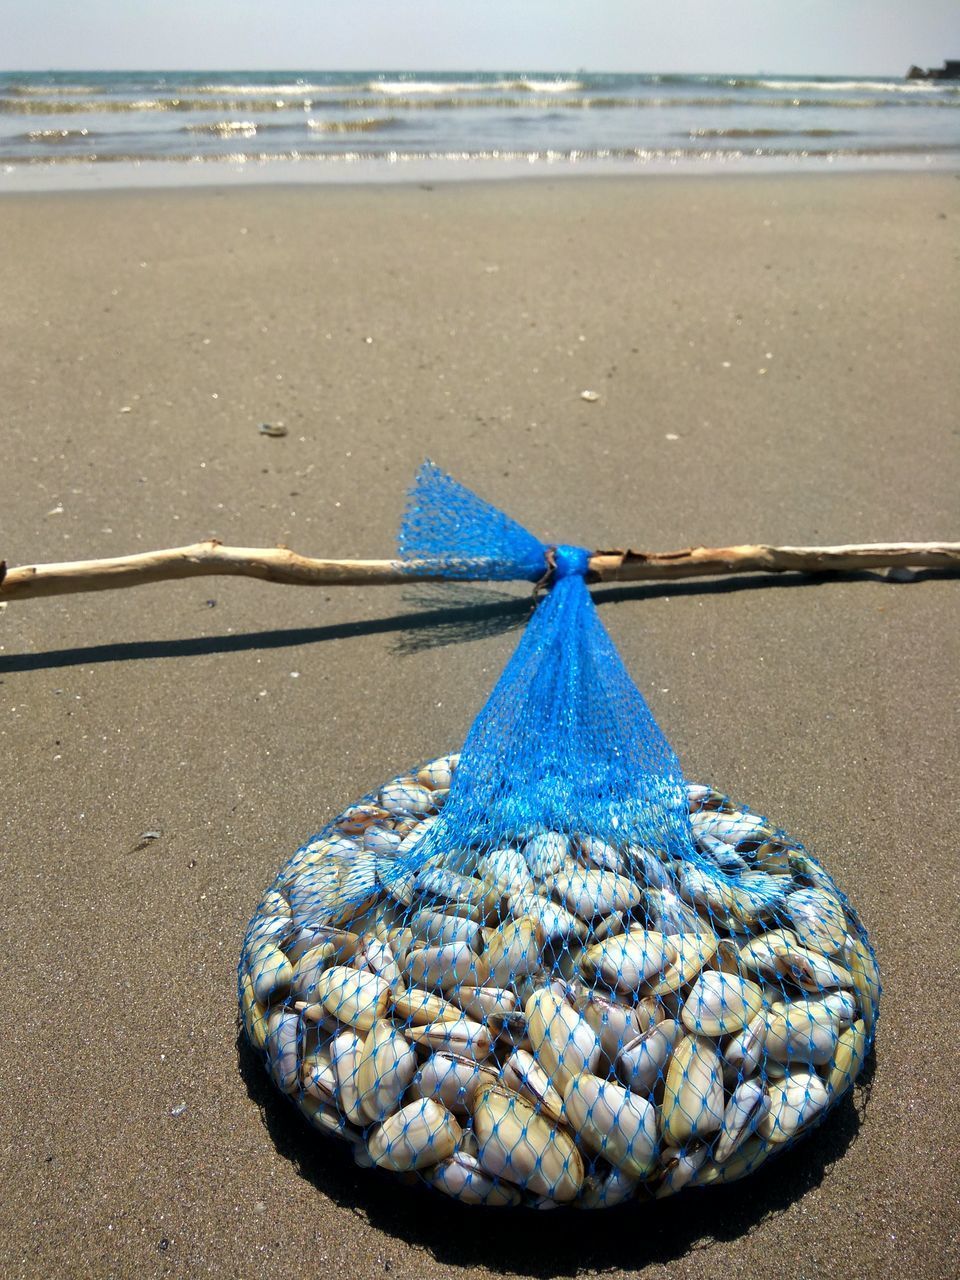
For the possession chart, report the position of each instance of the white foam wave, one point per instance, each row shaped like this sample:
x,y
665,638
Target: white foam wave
x,y
864,86
269,90
424,86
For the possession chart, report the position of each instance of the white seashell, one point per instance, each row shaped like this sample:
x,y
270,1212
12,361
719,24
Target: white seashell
x,y
598,853
358,818
801,1031
613,1122
866,978
346,1049
508,870
387,1065
556,922
589,892
616,1024
681,1169
613,1188
515,1142
486,1004
420,1135
463,1178
282,1044
420,1008
452,1080
693,1094
741,1057
254,1014
720,1004
443,968
693,950
381,840
629,960
438,928
818,920
546,853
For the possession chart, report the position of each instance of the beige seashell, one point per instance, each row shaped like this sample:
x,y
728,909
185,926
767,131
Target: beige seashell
x,y
359,817
641,1064
487,1004
471,897
693,951
443,968
613,1122
589,892
693,1095
681,1168
747,1106
794,1101
336,947
720,1004
452,1080
801,1031
818,920
421,1134
462,1177
563,1042
405,799
270,971
512,952
275,904
387,1065
438,774
254,1014
518,1144
851,1049
630,960
745,1160
866,979
607,1191
378,957
324,1116
616,1024
759,954
461,1036
524,1075
810,970
423,1007
352,996
556,922
741,1057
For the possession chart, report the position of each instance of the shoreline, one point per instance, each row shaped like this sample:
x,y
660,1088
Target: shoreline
x,y
66,176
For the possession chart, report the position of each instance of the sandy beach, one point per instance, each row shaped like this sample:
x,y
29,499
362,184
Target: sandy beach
x,y
775,359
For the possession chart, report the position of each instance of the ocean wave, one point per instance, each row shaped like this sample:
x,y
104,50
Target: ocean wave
x,y
767,133
544,102
225,128
540,86
297,89
393,87
839,86
54,135
373,124
571,156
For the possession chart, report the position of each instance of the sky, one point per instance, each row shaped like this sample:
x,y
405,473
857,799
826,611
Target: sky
x,y
857,37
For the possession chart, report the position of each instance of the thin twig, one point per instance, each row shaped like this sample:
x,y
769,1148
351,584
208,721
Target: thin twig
x,y
279,564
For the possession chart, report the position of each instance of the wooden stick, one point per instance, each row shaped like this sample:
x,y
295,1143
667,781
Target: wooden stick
x,y
279,564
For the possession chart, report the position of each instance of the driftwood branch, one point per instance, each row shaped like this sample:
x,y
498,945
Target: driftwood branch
x,y
279,564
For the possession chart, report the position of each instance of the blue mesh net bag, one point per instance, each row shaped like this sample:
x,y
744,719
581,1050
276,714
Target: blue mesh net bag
x,y
547,970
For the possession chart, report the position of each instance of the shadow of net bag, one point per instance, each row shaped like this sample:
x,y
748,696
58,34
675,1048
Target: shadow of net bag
x,y
548,970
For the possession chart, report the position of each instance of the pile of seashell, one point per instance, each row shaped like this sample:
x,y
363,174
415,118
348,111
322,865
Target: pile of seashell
x,y
557,1020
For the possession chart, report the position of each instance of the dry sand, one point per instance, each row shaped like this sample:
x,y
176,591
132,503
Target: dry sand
x,y
777,361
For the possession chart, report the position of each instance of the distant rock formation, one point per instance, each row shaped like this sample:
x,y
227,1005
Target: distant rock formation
x,y
949,71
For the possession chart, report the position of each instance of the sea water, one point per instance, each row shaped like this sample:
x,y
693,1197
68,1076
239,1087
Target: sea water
x,y
59,126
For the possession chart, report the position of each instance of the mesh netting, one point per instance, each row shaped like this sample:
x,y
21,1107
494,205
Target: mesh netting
x,y
547,970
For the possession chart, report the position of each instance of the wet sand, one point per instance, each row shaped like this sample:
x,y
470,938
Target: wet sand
x,y
776,361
